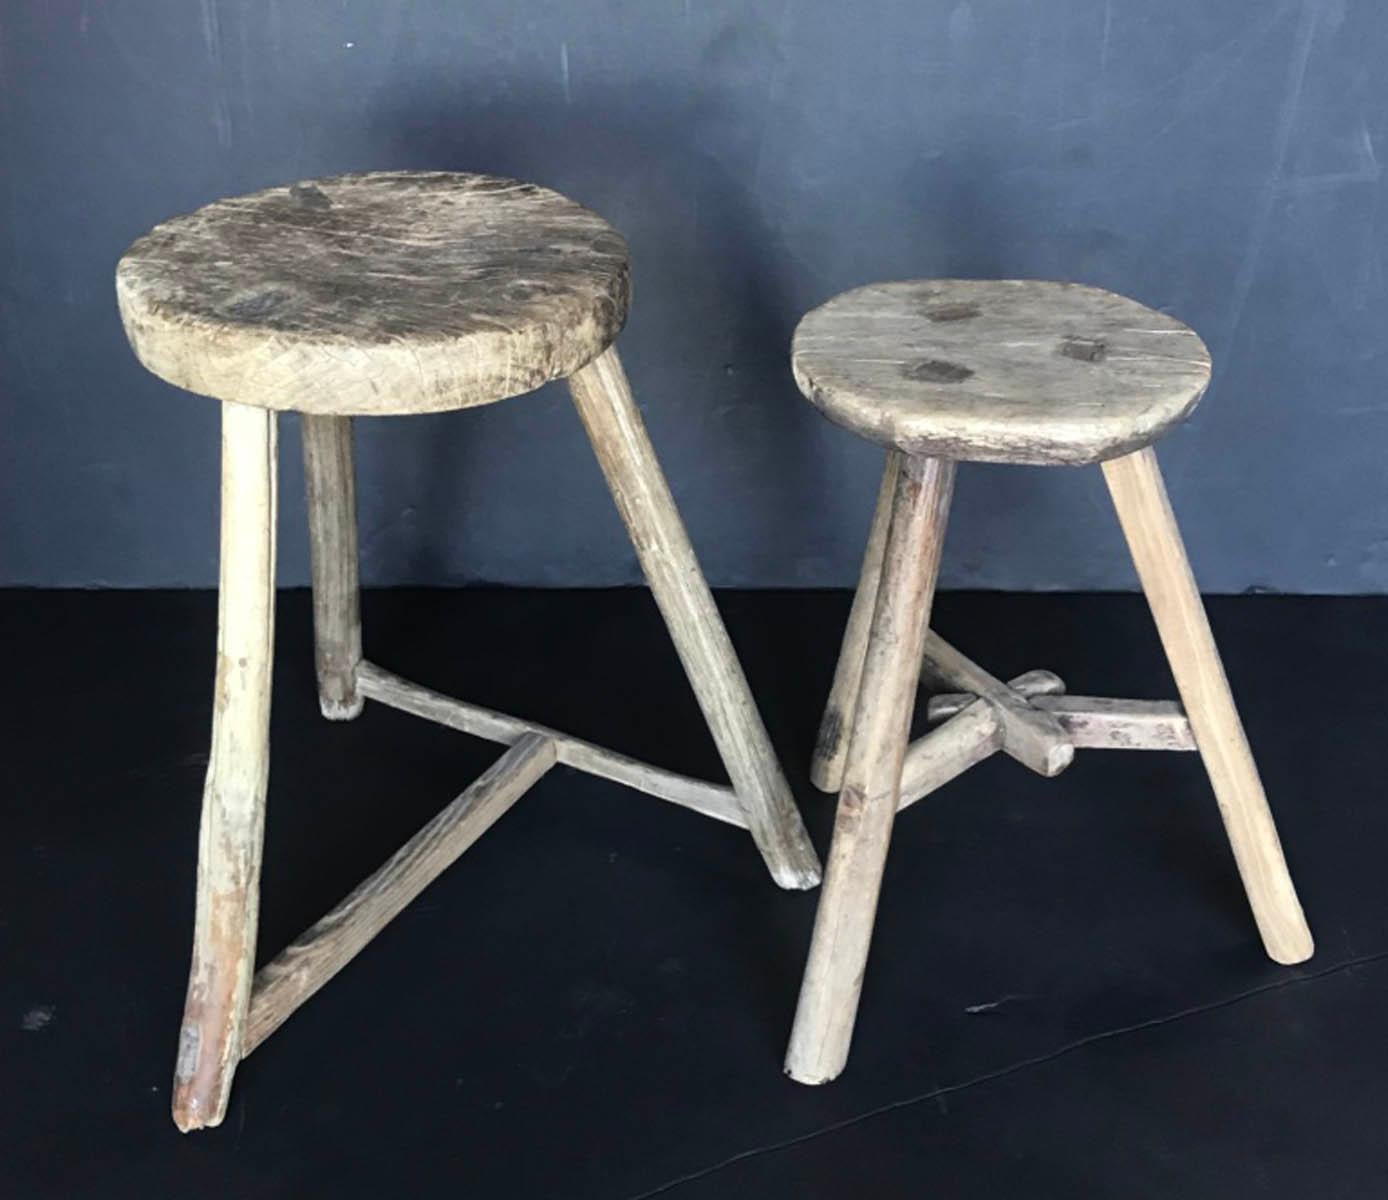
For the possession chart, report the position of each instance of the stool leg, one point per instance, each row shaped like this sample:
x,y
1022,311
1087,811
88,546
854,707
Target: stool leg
x,y
831,747
872,775
609,413
233,802
1144,511
332,528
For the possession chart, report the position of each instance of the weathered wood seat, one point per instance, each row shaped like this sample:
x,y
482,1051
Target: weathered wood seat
x,y
959,370
981,370
399,293
391,292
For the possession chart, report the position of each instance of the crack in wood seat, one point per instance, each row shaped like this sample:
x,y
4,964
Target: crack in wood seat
x,y
389,292
1017,371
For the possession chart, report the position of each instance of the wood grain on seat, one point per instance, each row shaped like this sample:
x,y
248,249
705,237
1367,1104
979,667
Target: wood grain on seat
x,y
1022,371
389,292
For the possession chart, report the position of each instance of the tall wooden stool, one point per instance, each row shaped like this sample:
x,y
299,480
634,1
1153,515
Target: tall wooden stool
x,y
385,294
942,371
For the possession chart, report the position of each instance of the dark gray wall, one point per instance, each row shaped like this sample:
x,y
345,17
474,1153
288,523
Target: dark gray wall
x,y
1220,160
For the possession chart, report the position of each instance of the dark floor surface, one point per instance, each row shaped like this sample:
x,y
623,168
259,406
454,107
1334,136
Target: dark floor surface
x,y
1067,996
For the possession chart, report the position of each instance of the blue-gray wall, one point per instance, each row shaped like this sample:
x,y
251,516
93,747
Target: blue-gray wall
x,y
1219,159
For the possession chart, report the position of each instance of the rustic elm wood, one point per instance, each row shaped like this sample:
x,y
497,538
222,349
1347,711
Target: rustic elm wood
x,y
971,735
238,768
1020,371
389,294
1154,540
1003,371
872,773
305,965
609,413
710,799
971,732
332,526
385,293
1096,722
1035,739
1030,735
826,765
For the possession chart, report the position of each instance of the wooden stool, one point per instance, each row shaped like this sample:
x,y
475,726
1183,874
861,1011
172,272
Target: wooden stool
x,y
1017,372
379,294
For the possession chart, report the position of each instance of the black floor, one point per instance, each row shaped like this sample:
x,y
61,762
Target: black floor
x,y
1067,997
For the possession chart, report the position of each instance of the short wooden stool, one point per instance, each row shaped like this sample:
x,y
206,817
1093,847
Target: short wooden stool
x,y
386,294
943,371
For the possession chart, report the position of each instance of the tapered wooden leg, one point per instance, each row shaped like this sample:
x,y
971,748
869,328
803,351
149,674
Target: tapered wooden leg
x,y
872,773
233,803
332,527
605,405
831,747
1144,511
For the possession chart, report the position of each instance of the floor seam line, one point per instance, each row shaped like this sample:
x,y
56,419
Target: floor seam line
x,y
1011,1069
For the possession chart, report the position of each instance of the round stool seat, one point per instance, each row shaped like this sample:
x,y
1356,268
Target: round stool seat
x,y
389,292
1019,371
